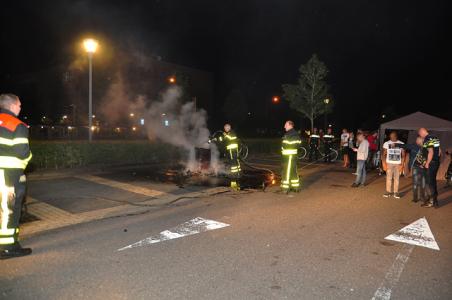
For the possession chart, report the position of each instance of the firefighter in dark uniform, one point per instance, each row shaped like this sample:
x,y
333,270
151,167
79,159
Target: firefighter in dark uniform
x,y
230,140
290,143
432,153
314,143
14,156
232,150
328,139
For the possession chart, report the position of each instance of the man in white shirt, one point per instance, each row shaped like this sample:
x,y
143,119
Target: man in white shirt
x,y
344,146
395,156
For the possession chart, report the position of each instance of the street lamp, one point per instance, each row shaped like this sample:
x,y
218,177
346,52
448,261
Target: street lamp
x,y
326,101
172,79
90,47
275,99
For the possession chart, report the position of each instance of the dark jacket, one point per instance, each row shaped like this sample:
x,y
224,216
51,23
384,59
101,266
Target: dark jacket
x,y
291,140
417,158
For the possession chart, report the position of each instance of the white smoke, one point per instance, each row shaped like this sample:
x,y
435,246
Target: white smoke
x,y
179,124
169,120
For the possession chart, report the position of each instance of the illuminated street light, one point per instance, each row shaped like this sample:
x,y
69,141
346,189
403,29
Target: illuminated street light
x,y
90,47
134,128
326,101
275,99
172,79
132,115
64,117
383,116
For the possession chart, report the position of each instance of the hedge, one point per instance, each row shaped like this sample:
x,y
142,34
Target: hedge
x,y
73,154
55,155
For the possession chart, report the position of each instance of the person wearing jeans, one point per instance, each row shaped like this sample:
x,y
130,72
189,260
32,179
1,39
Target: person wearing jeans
x,y
416,165
362,153
432,153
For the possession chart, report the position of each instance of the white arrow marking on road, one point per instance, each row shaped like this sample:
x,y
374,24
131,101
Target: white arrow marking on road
x,y
417,233
194,226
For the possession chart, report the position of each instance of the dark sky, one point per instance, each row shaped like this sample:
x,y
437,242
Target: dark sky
x,y
380,53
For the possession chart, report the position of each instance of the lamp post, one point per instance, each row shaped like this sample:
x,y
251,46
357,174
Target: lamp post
x,y
90,47
326,101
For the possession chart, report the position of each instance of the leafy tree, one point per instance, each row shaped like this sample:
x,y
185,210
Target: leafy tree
x,y
235,107
309,94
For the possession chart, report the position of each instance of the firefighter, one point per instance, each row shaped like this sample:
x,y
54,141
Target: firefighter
x,y
328,139
314,144
229,138
14,156
290,143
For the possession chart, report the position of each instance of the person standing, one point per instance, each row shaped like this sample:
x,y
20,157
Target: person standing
x,y
14,157
373,148
351,153
362,153
232,148
290,143
314,145
328,139
344,147
416,165
395,156
432,153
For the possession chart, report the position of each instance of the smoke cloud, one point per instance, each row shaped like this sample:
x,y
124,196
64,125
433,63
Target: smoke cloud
x,y
166,119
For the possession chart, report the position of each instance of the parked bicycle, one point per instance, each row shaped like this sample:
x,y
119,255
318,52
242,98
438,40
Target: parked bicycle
x,y
303,153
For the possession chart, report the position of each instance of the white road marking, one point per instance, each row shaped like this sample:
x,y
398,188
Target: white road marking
x,y
393,275
194,226
417,233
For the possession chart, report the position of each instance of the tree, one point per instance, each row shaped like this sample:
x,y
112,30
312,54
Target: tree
x,y
309,94
235,107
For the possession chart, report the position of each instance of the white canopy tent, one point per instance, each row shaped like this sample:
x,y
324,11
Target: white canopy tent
x,y
436,126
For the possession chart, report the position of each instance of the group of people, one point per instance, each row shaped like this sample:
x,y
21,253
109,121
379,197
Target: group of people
x,y
424,160
317,138
349,141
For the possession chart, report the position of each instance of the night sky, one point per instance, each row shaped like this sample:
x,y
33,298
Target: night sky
x,y
382,55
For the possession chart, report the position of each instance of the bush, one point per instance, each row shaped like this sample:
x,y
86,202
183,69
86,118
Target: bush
x,y
57,155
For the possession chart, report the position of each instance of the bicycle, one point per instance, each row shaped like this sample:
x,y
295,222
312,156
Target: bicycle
x,y
303,152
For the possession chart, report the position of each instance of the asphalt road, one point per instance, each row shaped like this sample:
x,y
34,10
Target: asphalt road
x,y
326,242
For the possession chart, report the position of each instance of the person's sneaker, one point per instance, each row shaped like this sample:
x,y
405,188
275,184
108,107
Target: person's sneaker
x,y
387,195
427,204
415,200
362,185
355,185
356,174
397,195
5,254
